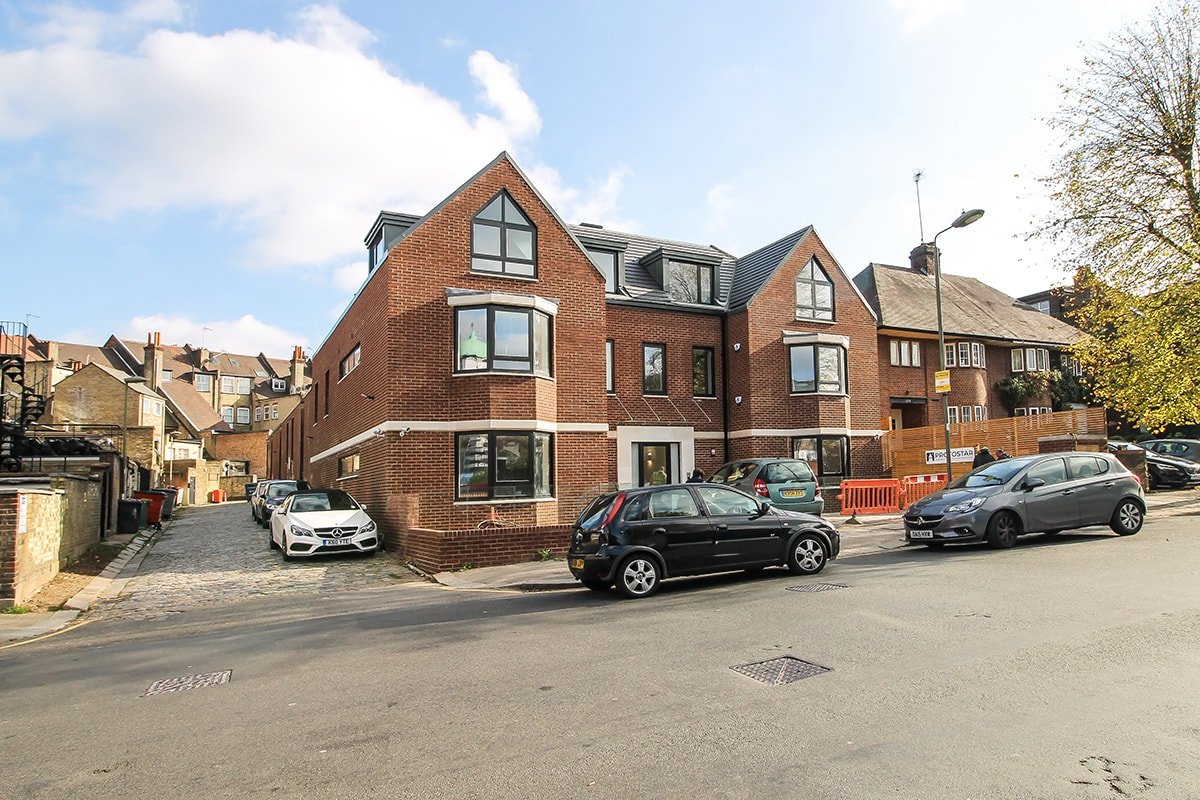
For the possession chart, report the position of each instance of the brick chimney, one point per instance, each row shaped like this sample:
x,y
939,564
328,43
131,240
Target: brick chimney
x,y
52,353
152,360
923,259
297,370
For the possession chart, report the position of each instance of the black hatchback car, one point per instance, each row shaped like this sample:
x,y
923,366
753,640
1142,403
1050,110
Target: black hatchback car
x,y
634,538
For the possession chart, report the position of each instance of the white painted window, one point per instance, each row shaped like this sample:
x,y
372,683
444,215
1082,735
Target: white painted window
x,y
1018,360
952,414
980,413
228,384
966,414
275,411
227,414
951,361
964,354
258,414
243,415
278,385
243,385
203,382
977,355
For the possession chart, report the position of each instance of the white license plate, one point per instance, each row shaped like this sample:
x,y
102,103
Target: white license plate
x,y
334,542
915,534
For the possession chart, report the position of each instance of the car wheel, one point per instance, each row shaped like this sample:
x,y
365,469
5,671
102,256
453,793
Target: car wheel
x,y
284,547
596,586
271,541
1003,530
1128,518
637,576
807,556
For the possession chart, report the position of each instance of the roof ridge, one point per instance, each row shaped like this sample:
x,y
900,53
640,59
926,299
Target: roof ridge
x,y
586,230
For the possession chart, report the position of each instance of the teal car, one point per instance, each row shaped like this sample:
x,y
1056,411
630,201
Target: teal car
x,y
784,482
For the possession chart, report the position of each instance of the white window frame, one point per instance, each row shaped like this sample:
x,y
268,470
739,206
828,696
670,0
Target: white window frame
x,y
258,413
275,411
1043,359
202,381
278,385
228,384
980,413
915,347
894,352
1019,412
244,385
965,414
952,414
350,362
242,411
1018,360
227,414
610,358
977,355
951,359
964,354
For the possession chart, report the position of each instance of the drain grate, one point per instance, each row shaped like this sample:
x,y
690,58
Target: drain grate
x,y
778,671
817,587
198,681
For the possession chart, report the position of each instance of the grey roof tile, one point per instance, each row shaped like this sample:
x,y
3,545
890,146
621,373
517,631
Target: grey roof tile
x,y
753,270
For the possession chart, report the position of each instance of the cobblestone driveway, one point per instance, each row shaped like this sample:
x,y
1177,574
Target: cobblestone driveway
x,y
217,554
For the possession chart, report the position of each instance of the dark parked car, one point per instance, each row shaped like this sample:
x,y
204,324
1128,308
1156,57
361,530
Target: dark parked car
x,y
636,537
1045,493
1188,449
268,495
1168,471
785,482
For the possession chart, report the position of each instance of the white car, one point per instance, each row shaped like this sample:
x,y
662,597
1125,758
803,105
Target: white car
x,y
322,521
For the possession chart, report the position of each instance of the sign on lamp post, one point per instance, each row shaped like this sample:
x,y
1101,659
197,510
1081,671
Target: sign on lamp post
x,y
941,381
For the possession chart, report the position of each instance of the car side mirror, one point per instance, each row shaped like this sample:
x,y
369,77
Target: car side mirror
x,y
1032,483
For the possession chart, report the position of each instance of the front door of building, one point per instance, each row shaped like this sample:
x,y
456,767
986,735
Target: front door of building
x,y
654,464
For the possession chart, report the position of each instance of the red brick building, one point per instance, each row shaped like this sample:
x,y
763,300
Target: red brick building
x,y
498,358
989,337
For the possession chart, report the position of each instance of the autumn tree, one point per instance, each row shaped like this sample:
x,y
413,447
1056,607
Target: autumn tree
x,y
1127,215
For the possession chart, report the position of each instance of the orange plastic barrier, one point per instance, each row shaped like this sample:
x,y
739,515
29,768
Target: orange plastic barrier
x,y
914,487
870,497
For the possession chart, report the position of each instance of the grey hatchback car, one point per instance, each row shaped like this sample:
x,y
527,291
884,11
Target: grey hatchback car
x,y
1032,494
784,482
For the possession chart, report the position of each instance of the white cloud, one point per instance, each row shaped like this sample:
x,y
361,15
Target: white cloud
x,y
349,277
918,14
297,140
599,203
246,334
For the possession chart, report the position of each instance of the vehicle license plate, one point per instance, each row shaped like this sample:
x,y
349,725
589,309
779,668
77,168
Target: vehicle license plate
x,y
334,542
576,563
792,493
916,534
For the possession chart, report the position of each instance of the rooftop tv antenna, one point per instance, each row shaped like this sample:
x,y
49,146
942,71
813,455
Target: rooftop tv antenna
x,y
917,175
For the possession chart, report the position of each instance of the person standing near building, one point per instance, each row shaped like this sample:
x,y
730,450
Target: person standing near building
x,y
982,456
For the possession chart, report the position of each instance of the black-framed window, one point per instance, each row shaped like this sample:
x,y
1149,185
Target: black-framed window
x,y
814,293
352,360
326,397
607,261
818,368
829,456
499,465
654,369
503,240
690,283
703,383
502,339
348,466
610,369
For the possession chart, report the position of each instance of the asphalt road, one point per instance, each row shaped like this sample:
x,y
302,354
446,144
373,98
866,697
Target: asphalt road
x,y
1063,668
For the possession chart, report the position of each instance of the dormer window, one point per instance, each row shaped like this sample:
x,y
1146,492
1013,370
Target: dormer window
x,y
814,293
278,385
606,261
503,240
690,283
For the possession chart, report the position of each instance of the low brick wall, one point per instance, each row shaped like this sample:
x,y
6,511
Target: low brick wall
x,y
436,551
42,529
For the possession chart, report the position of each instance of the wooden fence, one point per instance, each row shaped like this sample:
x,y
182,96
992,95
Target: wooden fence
x,y
904,451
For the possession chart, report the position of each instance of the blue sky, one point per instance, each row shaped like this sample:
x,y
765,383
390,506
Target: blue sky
x,y
173,166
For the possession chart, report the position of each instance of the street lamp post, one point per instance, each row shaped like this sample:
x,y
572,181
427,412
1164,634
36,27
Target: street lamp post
x,y
125,433
964,219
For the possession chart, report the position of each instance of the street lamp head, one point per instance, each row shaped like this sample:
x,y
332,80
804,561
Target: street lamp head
x,y
967,217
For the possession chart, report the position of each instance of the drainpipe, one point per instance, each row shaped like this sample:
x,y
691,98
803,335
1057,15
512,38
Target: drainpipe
x,y
725,382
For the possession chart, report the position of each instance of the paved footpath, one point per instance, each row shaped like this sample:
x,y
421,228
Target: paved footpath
x,y
217,554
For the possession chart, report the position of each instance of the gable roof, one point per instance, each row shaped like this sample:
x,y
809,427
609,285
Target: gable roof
x,y
754,270
192,408
906,299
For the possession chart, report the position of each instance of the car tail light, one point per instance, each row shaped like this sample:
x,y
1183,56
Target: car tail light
x,y
760,488
612,512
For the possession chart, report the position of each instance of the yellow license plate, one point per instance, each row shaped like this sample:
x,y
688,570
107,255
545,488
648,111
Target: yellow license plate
x,y
576,563
792,493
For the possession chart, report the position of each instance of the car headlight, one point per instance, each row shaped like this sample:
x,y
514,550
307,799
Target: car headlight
x,y
299,531
969,505
368,528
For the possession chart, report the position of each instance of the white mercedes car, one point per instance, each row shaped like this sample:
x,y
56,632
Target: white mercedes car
x,y
322,521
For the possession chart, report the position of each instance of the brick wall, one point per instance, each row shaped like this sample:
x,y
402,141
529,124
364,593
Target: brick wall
x,y
250,446
56,526
436,551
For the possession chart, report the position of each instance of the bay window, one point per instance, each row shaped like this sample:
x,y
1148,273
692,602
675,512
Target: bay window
x,y
499,465
818,368
502,339
827,455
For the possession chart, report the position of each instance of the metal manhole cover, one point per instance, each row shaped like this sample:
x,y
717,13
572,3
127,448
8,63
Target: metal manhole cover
x,y
778,671
197,681
817,587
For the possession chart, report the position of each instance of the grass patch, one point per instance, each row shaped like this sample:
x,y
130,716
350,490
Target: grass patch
x,y
16,610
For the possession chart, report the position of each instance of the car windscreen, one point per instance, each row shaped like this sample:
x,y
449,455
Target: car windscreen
x,y
323,501
593,516
281,489
996,473
733,472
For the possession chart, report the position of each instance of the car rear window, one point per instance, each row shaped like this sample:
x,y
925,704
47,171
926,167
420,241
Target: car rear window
x,y
787,472
733,472
593,516
280,489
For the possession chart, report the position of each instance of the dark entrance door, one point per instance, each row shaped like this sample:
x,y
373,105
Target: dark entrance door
x,y
654,464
